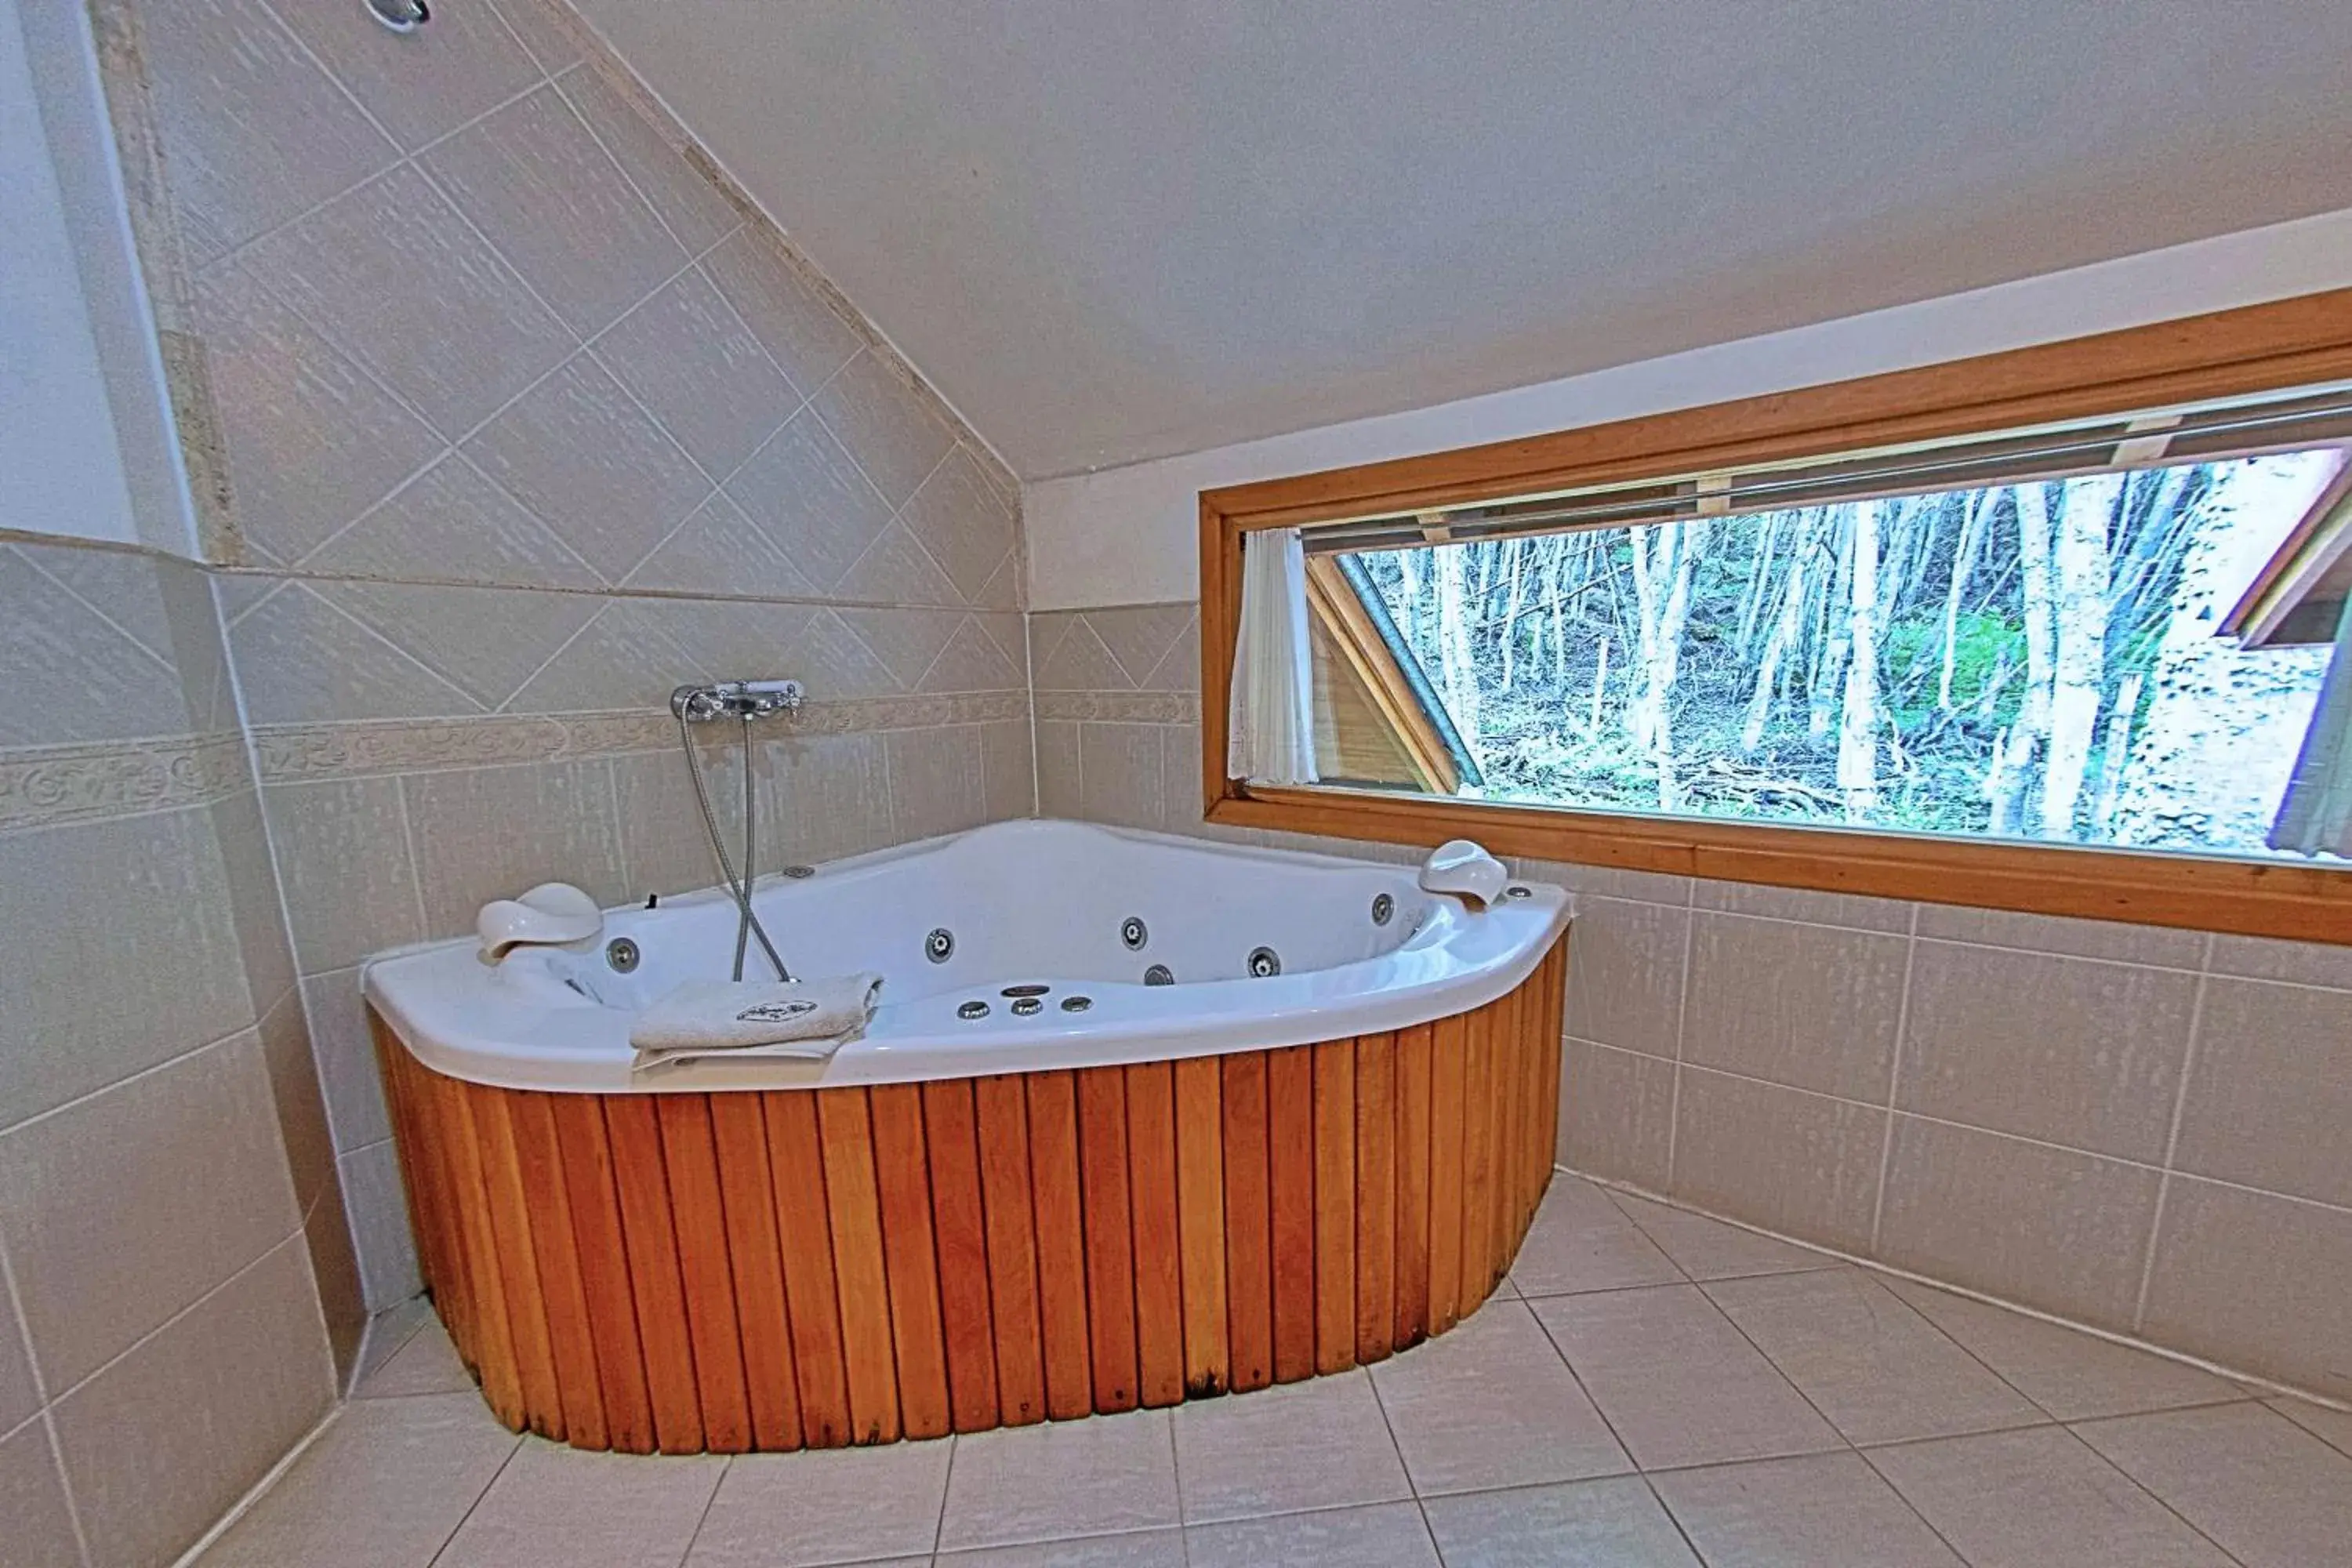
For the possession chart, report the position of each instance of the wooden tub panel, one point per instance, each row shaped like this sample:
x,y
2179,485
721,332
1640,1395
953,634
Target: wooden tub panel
x,y
767,1270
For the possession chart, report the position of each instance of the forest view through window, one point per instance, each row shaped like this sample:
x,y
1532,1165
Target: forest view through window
x,y
2040,660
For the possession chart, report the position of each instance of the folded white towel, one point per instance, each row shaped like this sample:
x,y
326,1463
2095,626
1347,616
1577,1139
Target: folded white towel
x,y
804,1018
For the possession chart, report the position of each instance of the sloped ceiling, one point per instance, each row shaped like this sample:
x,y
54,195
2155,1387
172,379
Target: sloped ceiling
x,y
1117,230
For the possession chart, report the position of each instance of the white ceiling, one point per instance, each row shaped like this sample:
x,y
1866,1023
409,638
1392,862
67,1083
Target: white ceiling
x,y
1117,230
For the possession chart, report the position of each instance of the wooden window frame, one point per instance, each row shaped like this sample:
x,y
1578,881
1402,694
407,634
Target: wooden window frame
x,y
2255,349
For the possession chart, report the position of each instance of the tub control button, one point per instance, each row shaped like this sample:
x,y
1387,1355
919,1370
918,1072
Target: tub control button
x,y
1026,1007
972,1009
1077,1003
1159,975
1383,909
621,955
1134,932
1025,991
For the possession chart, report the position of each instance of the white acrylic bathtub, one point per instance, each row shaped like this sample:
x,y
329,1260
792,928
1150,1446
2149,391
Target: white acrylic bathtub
x,y
1027,903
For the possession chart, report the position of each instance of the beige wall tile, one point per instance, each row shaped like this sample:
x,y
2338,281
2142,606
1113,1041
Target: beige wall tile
x,y
636,651
490,832
559,209
300,659
1118,772
2270,1096
697,213
1616,1113
255,131
301,1106
2256,1281
541,27
972,660
578,452
691,361
719,549
894,435
424,84
40,1531
51,641
20,1392
664,844
1058,771
2304,963
2082,1053
125,1207
122,953
451,523
380,1232
1071,657
827,796
335,1273
486,642
807,493
1794,1163
1008,771
1141,638
1849,910
288,403
1810,1006
938,781
392,275
895,569
1610,881
1181,778
2053,1228
344,861
254,905
160,1444
964,524
2160,945
907,642
1625,975
1178,668
808,340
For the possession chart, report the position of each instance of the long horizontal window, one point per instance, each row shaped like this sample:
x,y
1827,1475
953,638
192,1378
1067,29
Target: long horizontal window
x,y
2061,629
2053,660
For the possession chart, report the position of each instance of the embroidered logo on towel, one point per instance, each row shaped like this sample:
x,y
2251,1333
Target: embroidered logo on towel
x,y
774,1012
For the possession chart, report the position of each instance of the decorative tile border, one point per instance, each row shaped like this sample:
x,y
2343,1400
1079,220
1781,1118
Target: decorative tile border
x,y
287,752
1121,707
41,786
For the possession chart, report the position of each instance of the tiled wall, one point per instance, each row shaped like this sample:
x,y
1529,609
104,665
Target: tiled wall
x,y
2135,1128
171,1232
519,419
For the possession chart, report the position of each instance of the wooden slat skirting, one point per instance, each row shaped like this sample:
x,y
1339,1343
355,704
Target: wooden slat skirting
x,y
749,1271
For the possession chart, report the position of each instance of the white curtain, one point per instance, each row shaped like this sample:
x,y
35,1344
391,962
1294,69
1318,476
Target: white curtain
x,y
2316,816
1270,728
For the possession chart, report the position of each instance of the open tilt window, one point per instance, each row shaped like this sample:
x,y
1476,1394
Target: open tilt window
x,y
2111,631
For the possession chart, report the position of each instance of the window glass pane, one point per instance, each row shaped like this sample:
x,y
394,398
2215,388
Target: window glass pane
x,y
2036,661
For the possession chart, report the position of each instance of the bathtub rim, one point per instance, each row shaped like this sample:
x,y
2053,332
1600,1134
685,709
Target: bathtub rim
x,y
443,1006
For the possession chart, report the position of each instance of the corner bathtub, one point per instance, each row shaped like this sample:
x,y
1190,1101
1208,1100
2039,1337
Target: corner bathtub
x,y
1180,1189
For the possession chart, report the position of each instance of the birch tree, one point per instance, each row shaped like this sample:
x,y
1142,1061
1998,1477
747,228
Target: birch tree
x,y
1857,757
2079,641
1456,667
1664,556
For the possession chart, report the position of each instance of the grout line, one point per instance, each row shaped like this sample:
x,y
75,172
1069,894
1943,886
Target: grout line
x,y
152,1069
726,1468
194,1555
2172,1140
2150,1491
1682,1016
44,1407
458,1529
1895,1077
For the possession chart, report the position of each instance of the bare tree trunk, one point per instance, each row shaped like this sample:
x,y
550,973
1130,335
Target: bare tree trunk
x,y
1559,616
1837,629
1777,645
1600,686
1964,566
1857,758
1514,554
2011,780
1664,556
1759,575
1408,568
2078,678
1455,664
2115,751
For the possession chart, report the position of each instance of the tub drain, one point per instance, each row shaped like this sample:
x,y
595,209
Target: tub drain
x,y
1159,975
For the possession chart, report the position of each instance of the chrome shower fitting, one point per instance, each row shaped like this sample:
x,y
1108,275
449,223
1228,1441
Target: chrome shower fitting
x,y
734,700
742,701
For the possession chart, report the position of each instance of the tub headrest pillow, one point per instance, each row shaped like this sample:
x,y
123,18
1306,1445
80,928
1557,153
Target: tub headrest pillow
x,y
1464,870
552,914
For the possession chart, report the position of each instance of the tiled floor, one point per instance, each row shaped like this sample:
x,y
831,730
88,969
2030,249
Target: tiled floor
x,y
1655,1389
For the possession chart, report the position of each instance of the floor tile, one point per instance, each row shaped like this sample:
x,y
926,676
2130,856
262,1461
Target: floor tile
x,y
1141,1549
1824,1510
1585,1524
427,1364
1492,1404
1879,1371
388,1331
1707,1248
1065,1478
825,1505
1678,1384
2271,1494
554,1507
2037,1498
1388,1536
384,1487
2332,1427
1318,1444
2074,1375
1582,1241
